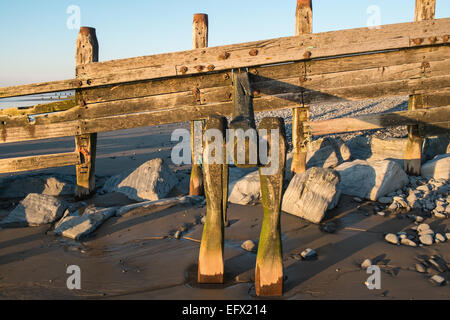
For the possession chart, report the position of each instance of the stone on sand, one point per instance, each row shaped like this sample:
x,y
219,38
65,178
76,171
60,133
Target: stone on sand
x,y
408,242
371,180
423,227
35,210
438,168
245,190
391,238
420,268
437,280
248,245
327,153
366,263
310,194
80,223
308,253
151,181
426,239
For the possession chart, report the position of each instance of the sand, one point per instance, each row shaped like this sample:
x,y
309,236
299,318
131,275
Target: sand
x,y
137,257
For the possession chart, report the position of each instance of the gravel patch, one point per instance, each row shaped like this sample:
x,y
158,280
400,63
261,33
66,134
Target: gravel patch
x,y
348,109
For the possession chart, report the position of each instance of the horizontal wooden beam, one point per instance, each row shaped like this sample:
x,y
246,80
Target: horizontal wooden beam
x,y
437,118
301,83
298,48
266,52
39,162
40,108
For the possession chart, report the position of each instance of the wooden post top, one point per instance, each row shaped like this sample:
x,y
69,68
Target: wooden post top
x,y
201,18
87,31
304,3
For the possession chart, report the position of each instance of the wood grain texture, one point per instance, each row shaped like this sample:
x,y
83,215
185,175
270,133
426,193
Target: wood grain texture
x,y
432,117
23,164
86,144
199,40
199,61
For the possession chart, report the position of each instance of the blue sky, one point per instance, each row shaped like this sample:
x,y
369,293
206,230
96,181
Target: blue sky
x,y
38,46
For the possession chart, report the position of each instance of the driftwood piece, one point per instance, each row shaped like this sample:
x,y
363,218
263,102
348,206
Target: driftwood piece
x,y
168,202
269,261
210,262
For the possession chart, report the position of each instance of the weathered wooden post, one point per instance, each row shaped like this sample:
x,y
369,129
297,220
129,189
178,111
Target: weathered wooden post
x,y
199,40
86,52
269,261
425,10
210,262
303,25
245,139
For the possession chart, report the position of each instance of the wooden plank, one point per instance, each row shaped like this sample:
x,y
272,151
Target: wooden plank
x,y
269,51
40,108
39,162
176,114
437,117
425,10
200,61
382,63
199,40
86,144
303,25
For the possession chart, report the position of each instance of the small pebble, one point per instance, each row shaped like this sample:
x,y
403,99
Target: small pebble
x,y
440,215
203,220
308,253
391,238
440,237
408,242
248,245
419,219
177,234
420,268
381,213
423,227
437,280
426,239
356,199
366,263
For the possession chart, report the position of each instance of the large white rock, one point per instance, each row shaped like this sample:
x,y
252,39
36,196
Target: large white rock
x,y
245,190
311,194
79,224
388,149
151,181
327,153
35,210
438,168
371,180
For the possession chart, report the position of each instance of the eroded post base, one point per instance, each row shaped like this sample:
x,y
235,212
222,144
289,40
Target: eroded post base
x,y
269,261
215,173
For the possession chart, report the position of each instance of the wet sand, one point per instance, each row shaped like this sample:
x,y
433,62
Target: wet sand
x,y
137,257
